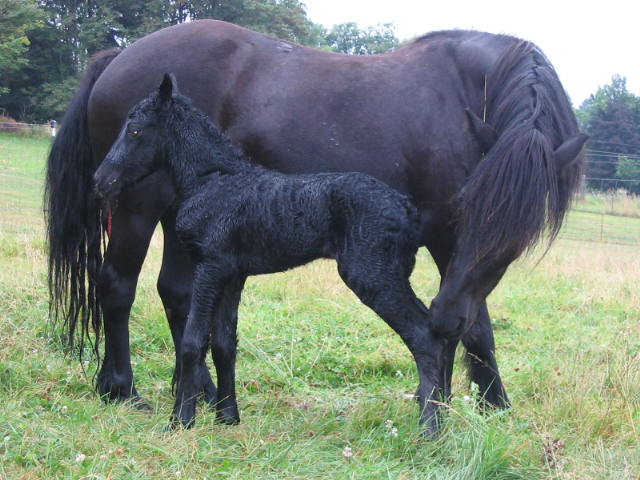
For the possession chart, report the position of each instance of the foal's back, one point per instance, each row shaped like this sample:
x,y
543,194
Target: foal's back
x,y
271,221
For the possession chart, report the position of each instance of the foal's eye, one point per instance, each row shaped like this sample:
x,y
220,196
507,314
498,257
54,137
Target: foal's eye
x,y
133,132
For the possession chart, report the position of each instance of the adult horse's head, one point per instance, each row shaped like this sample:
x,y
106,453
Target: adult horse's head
x,y
519,191
139,148
484,249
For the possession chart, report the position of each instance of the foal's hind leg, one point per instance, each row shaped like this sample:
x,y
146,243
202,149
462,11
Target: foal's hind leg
x,y
389,294
174,287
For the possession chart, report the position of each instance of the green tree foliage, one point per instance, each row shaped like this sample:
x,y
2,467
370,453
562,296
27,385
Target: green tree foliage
x,y
348,38
16,18
73,30
611,117
628,169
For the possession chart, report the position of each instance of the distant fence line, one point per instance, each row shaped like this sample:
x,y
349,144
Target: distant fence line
x,y
20,128
603,217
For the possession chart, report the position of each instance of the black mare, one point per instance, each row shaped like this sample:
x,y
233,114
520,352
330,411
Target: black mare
x,y
237,219
475,128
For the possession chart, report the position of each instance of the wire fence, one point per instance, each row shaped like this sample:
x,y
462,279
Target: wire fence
x,y
27,129
606,217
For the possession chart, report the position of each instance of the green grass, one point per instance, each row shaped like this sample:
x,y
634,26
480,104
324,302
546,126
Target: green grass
x,y
318,372
616,202
599,227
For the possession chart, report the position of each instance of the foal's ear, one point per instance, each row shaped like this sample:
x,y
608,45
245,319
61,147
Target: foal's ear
x,y
168,87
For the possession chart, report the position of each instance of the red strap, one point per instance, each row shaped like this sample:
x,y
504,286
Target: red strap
x,y
109,223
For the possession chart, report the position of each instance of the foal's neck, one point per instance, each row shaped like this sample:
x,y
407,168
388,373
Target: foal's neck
x,y
199,149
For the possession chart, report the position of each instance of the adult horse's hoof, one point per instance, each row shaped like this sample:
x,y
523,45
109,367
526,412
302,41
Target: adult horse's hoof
x,y
140,404
177,423
431,423
227,417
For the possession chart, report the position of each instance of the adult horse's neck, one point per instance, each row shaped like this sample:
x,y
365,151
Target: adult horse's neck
x,y
196,148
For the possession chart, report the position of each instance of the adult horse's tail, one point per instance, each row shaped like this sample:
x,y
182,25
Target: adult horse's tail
x,y
74,227
523,187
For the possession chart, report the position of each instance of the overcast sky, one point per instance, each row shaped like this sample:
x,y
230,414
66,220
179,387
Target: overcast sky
x,y
587,42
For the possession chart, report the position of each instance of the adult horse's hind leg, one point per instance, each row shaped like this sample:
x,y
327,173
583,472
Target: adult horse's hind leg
x,y
174,287
138,212
386,290
123,259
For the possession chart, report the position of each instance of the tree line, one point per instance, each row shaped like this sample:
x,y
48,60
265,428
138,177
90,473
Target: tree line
x,y
45,45
611,117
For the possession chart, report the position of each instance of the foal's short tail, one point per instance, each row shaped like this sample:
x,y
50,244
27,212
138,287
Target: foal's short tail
x,y
524,185
74,227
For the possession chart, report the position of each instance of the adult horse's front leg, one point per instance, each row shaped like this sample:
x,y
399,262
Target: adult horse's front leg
x,y
478,341
174,286
127,248
483,367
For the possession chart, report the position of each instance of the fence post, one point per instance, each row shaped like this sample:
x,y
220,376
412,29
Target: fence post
x,y
53,124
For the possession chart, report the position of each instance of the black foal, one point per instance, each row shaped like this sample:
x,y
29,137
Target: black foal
x,y
238,219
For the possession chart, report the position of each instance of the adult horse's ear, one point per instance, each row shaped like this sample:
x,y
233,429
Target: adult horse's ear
x,y
168,87
485,134
568,152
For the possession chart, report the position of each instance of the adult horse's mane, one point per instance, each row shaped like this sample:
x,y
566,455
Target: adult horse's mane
x,y
506,205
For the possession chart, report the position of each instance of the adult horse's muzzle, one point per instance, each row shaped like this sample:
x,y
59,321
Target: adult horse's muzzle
x,y
450,319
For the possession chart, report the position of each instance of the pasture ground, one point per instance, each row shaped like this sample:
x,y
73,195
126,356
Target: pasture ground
x,y
322,382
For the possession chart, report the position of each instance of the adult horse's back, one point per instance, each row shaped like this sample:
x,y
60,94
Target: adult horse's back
x,y
474,127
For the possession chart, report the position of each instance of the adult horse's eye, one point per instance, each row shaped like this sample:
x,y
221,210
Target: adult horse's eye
x,y
133,132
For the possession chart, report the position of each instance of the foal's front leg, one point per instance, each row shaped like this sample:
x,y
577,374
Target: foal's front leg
x,y
207,288
223,350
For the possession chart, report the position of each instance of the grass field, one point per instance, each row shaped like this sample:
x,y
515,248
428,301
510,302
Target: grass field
x,y
322,382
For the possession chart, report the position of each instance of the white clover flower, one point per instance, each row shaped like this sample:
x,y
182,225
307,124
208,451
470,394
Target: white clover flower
x,y
80,457
347,452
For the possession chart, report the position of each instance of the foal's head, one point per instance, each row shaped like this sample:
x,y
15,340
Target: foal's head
x,y
140,148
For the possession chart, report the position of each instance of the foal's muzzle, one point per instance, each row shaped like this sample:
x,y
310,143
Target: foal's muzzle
x,y
107,182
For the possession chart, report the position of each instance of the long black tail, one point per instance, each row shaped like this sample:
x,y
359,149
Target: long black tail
x,y
72,212
522,189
